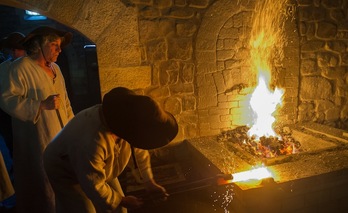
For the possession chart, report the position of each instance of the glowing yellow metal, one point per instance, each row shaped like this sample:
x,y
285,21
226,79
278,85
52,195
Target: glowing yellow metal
x,y
254,174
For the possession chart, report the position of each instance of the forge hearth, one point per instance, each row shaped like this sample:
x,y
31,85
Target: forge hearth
x,y
313,180
263,147
270,150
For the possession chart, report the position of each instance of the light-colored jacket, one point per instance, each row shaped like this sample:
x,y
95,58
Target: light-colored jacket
x,y
21,93
84,161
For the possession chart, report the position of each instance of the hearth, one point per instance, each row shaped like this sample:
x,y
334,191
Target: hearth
x,y
313,180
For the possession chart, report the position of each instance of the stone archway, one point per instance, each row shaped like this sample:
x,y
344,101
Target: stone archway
x,y
110,25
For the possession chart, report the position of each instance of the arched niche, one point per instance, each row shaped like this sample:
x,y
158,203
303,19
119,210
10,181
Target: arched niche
x,y
223,68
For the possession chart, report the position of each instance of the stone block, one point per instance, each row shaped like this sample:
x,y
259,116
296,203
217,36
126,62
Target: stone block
x,y
186,29
158,92
220,125
187,72
206,44
156,50
206,101
179,13
199,3
326,30
130,77
206,57
177,89
312,46
315,88
189,103
218,111
149,12
179,48
308,66
173,105
222,55
207,91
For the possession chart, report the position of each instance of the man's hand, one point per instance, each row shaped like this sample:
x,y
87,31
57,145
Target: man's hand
x,y
50,103
157,192
131,202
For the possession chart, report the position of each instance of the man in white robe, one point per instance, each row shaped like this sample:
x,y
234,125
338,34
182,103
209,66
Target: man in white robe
x,y
35,96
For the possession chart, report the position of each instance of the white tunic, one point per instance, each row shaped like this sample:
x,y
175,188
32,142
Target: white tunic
x,y
27,85
84,161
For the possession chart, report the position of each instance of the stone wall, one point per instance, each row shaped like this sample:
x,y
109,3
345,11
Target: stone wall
x,y
178,51
167,31
225,79
323,96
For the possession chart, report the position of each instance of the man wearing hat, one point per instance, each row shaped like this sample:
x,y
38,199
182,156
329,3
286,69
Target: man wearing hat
x,y
11,45
85,159
36,98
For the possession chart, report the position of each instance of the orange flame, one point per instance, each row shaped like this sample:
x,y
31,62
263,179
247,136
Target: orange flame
x,y
266,43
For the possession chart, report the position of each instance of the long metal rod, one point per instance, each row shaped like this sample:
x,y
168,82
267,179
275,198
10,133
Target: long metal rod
x,y
219,180
59,118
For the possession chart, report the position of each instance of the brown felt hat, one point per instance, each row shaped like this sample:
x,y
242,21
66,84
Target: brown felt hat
x,y
12,41
138,119
46,30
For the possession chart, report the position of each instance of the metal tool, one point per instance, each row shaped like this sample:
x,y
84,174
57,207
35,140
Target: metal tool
x,y
58,115
218,180
59,118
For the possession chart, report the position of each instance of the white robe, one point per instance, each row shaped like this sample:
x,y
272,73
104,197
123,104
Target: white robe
x,y
27,85
84,161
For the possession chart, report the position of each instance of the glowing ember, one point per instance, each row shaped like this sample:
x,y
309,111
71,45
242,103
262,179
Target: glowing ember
x,y
254,174
264,147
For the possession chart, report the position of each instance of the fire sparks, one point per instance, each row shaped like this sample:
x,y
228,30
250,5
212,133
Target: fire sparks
x,y
266,43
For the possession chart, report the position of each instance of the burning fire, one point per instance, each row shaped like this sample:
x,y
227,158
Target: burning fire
x,y
264,103
266,43
266,53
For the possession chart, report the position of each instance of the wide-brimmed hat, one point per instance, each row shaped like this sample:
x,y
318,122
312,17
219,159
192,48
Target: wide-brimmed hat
x,y
46,30
138,119
12,41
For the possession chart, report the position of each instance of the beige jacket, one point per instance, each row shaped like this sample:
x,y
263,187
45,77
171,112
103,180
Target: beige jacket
x,y
26,86
84,161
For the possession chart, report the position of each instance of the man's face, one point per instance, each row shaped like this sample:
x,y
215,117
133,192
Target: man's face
x,y
52,49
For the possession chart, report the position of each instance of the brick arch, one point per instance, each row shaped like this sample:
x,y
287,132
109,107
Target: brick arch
x,y
222,66
214,113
